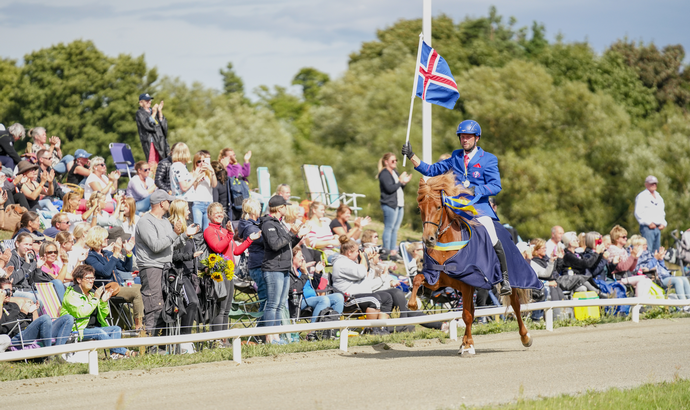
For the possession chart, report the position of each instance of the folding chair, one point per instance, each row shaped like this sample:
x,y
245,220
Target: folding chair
x,y
313,183
50,303
334,196
122,157
264,180
121,311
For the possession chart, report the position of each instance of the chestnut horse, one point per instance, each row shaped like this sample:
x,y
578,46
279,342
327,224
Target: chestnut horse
x,y
442,225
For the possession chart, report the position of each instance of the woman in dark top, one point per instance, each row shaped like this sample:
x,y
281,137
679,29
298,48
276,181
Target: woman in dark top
x,y
340,225
220,191
392,199
80,168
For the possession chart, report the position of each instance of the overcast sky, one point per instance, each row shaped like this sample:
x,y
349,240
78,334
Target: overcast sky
x,y
268,41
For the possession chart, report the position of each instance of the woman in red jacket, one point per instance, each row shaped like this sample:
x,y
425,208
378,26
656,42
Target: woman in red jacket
x,y
220,240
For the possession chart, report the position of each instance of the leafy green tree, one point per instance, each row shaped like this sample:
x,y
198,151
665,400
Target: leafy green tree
x,y
9,74
311,81
232,83
81,95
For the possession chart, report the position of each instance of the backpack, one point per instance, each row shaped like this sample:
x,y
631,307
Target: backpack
x,y
239,191
327,315
242,269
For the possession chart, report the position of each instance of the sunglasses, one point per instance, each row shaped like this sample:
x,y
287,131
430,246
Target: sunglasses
x,y
51,252
89,278
146,169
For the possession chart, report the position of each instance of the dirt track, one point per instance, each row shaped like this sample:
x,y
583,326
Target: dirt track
x,y
427,376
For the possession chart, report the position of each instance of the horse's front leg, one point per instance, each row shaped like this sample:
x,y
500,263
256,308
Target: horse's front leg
x,y
525,337
417,281
467,317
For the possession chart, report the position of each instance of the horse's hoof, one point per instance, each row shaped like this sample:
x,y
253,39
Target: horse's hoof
x,y
528,343
468,350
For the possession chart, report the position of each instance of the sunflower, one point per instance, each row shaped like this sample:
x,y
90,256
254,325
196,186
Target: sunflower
x,y
229,274
217,276
212,259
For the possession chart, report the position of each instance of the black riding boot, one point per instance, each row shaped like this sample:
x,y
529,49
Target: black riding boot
x,y
506,290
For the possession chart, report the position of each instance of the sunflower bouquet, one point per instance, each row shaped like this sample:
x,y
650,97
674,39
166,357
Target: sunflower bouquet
x,y
217,266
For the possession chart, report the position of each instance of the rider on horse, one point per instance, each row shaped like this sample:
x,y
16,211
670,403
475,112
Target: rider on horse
x,y
476,170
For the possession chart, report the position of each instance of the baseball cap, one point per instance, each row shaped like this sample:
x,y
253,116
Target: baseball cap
x,y
81,153
159,196
145,97
277,200
651,180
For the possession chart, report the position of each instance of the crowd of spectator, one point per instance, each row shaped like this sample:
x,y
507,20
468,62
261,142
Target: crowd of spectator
x,y
76,230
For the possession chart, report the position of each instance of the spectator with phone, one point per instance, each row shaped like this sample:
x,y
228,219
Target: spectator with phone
x,y
90,308
141,187
40,329
203,193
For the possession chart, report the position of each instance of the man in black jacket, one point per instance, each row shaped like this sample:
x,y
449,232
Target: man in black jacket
x,y
153,129
8,155
278,244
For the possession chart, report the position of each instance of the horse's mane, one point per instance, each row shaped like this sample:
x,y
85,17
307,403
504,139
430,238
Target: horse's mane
x,y
445,182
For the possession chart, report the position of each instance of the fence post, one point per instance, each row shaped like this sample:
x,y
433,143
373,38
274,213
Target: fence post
x,y
453,329
237,350
93,362
344,335
548,318
636,313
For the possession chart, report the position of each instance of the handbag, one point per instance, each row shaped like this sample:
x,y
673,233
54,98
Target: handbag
x,y
10,217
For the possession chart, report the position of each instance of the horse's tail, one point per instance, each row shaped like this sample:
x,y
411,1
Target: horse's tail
x,y
524,296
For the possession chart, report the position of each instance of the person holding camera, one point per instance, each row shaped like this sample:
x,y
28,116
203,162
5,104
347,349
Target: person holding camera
x,y
156,238
141,187
90,308
34,328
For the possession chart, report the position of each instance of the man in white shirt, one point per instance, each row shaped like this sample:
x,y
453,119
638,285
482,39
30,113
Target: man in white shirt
x,y
552,244
650,213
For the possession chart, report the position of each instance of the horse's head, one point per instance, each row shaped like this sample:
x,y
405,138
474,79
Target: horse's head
x,y
431,210
430,199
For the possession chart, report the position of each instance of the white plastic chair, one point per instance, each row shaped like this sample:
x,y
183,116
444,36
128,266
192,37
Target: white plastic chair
x,y
334,196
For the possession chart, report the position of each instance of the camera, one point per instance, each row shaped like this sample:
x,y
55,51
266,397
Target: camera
x,y
8,292
31,256
121,192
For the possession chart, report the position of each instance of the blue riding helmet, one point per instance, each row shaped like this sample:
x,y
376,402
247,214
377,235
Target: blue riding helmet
x,y
469,127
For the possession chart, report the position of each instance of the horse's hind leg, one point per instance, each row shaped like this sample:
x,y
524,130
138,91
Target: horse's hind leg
x,y
525,337
468,318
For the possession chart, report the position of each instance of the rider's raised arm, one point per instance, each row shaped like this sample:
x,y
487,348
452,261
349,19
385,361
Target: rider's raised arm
x,y
439,168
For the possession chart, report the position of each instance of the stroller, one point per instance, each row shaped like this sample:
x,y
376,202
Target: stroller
x,y
679,254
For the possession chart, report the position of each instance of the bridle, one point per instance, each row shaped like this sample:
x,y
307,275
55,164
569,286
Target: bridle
x,y
438,225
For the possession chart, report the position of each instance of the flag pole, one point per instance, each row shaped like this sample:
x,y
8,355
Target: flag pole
x,y
414,90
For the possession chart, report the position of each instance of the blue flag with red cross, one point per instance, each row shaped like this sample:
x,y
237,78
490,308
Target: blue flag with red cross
x,y
435,83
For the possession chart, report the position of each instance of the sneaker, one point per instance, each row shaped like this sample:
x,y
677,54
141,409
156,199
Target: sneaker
x,y
686,309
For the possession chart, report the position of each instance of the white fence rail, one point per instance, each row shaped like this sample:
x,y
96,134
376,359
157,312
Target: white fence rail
x,y
454,317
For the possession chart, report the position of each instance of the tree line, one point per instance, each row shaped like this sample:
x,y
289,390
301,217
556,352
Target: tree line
x,y
575,131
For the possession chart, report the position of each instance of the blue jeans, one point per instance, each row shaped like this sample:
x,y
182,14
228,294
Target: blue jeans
x,y
144,205
257,276
336,301
653,237
105,333
392,218
277,286
25,294
680,283
43,330
199,214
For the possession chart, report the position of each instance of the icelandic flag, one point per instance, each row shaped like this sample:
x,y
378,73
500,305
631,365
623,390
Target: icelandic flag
x,y
435,83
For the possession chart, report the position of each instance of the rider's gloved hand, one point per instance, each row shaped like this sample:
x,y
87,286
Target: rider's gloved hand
x,y
407,150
